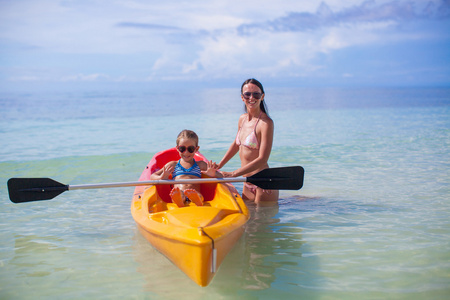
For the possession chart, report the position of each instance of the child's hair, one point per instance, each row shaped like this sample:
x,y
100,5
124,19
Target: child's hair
x,y
187,134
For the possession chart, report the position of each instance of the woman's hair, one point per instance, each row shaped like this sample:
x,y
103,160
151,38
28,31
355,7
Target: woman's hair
x,y
187,134
258,84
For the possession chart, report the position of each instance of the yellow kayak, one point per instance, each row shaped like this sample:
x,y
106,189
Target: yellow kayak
x,y
195,238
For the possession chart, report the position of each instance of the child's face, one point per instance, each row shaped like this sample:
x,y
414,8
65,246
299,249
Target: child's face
x,y
185,146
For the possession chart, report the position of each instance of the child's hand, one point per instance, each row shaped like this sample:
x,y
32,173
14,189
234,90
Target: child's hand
x,y
167,170
211,169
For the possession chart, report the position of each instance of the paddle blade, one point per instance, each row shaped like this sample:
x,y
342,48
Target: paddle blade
x,y
34,189
285,178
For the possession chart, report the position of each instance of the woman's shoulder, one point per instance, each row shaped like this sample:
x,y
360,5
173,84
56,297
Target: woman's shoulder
x,y
266,119
241,119
243,116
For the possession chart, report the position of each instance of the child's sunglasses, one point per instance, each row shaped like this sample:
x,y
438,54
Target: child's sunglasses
x,y
247,95
191,149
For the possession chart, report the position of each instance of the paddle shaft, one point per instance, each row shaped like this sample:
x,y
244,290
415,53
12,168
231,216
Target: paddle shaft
x,y
155,182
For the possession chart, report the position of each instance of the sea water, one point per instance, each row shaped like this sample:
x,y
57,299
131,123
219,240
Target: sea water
x,y
371,222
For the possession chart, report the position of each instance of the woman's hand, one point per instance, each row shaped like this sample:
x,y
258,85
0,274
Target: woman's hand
x,y
228,174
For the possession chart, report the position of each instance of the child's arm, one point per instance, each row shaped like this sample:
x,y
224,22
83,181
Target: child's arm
x,y
165,172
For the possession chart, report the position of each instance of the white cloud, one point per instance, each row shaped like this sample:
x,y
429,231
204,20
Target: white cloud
x,y
348,35
213,39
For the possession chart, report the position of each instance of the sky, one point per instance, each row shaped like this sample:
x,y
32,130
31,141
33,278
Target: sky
x,y
220,42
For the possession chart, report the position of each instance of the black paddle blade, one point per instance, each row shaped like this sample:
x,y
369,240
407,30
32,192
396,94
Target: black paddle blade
x,y
285,178
34,189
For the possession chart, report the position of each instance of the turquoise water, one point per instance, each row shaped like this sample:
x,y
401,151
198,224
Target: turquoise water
x,y
371,222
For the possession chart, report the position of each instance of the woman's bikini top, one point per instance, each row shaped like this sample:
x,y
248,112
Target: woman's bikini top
x,y
251,141
193,171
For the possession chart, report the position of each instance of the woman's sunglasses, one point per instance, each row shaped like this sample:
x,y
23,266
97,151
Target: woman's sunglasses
x,y
191,149
247,95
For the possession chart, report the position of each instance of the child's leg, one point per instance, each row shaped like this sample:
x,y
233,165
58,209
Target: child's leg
x,y
194,196
177,196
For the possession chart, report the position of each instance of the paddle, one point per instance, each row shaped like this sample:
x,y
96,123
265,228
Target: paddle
x,y
35,189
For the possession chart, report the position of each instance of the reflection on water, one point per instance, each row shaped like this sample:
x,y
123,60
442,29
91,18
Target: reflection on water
x,y
30,253
162,278
267,246
261,242
35,265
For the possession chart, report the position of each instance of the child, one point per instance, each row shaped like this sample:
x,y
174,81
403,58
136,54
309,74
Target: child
x,y
186,168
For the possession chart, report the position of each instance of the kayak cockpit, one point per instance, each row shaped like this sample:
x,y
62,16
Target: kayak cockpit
x,y
204,216
153,197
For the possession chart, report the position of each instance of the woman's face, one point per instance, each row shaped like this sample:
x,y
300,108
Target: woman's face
x,y
250,95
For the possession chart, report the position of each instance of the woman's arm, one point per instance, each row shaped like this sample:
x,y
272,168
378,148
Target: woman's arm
x,y
233,149
229,155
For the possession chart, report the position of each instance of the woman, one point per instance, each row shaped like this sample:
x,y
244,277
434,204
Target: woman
x,y
253,142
